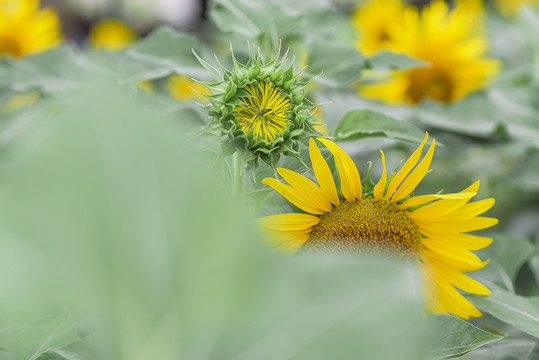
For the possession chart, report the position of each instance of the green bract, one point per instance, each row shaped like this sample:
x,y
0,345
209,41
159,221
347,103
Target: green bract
x,y
227,93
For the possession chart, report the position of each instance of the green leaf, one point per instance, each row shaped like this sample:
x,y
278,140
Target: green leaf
x,y
386,60
339,64
267,23
162,52
453,337
509,251
521,312
56,70
506,349
29,341
358,124
474,115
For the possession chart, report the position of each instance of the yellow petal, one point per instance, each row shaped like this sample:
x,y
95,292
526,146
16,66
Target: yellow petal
x,y
415,176
471,263
292,221
378,191
452,227
350,180
451,241
406,168
459,279
422,199
455,303
445,205
290,240
306,188
323,173
293,196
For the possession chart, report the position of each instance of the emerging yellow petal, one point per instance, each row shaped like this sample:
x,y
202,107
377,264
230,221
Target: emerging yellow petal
x,y
350,181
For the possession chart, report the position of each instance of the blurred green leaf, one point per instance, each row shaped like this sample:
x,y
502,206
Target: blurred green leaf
x,y
266,23
453,337
29,341
508,251
385,60
162,52
338,64
506,349
473,115
56,70
358,124
521,312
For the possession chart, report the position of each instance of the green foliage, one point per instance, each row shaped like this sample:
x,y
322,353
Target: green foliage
x,y
453,337
31,340
359,124
519,311
162,52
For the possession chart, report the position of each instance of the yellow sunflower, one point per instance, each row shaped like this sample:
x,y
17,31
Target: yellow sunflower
x,y
182,88
449,42
375,21
26,29
428,229
112,34
512,7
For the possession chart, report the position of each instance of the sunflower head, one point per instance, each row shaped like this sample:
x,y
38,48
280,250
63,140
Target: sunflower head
x,y
260,108
387,219
26,29
452,44
112,34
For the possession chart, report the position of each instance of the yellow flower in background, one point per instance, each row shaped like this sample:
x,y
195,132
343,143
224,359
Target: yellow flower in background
x,y
449,42
182,88
512,7
112,34
428,229
26,29
375,20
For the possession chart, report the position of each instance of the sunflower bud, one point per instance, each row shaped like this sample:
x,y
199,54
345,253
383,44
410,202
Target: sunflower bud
x,y
259,109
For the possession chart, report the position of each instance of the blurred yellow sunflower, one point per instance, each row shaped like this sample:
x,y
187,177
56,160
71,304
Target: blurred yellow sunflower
x,y
451,44
182,88
374,20
112,34
429,229
26,29
512,7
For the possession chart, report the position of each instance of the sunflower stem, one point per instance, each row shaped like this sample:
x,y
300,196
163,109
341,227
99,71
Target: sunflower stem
x,y
239,166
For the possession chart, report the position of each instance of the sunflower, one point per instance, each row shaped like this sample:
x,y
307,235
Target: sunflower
x,y
26,29
452,45
374,21
112,34
427,229
182,88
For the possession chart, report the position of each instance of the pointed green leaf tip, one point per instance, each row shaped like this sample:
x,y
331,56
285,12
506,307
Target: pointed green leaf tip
x,y
259,107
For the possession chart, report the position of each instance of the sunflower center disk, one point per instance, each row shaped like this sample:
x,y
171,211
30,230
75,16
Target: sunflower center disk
x,y
366,226
264,112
